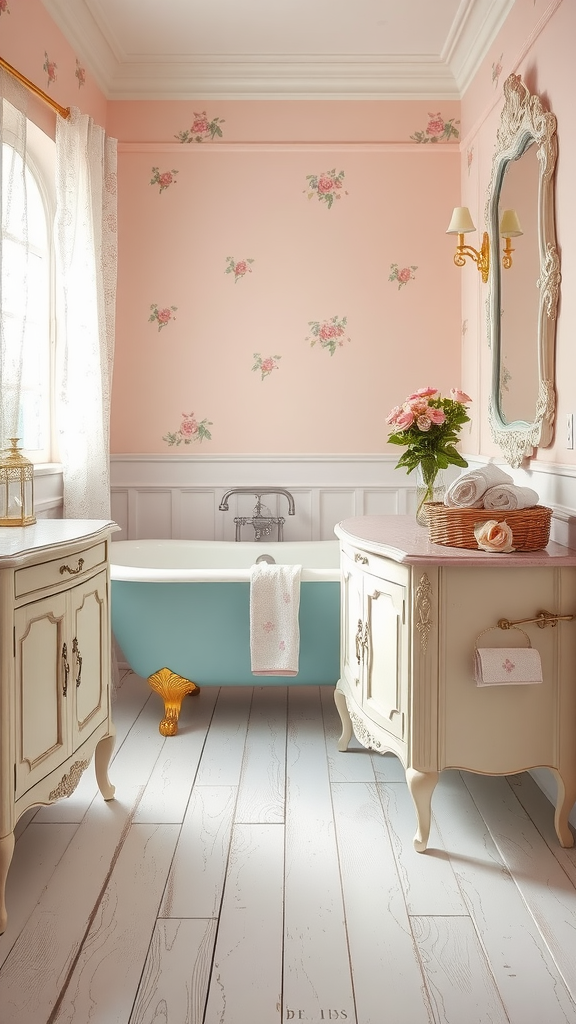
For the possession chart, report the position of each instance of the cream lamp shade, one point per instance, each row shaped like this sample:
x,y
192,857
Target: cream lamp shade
x,y
461,221
510,225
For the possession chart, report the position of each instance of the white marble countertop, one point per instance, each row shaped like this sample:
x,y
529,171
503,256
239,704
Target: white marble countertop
x,y
403,540
18,541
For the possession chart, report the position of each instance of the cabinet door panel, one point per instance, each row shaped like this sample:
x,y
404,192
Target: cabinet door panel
x,y
88,658
386,653
41,720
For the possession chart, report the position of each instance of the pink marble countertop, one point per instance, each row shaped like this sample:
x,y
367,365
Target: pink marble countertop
x,y
403,540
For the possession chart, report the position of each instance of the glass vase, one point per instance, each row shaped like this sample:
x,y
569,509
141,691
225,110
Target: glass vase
x,y
429,487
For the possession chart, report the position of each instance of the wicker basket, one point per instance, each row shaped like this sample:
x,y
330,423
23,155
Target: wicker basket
x,y
454,527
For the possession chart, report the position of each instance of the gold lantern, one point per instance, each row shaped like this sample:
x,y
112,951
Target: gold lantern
x,y
16,487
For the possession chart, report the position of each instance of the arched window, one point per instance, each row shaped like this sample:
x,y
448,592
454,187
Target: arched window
x,y
27,293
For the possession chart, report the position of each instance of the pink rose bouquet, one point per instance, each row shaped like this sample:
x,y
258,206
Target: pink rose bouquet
x,y
428,425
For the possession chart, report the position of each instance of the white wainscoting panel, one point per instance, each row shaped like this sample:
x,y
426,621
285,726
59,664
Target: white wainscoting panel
x,y
178,495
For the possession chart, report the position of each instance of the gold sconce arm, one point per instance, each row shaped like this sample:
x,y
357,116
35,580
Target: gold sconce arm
x,y
507,255
481,258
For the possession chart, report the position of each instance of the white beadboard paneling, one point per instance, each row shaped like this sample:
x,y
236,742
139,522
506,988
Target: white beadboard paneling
x,y
316,962
177,494
176,973
246,980
263,779
150,511
386,969
197,515
119,512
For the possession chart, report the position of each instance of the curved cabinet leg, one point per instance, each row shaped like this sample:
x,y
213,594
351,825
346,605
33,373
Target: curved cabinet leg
x,y
342,707
421,786
6,851
172,688
565,800
102,758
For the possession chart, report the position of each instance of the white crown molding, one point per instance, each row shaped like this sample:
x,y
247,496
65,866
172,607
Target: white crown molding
x,y
133,77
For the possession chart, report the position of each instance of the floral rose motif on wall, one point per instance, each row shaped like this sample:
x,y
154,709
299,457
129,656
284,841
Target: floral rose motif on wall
x,y
497,70
164,179
50,68
265,365
330,333
437,130
189,430
162,316
201,129
80,73
469,158
402,274
4,9
238,267
325,186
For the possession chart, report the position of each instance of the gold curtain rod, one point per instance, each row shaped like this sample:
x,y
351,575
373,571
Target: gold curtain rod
x,y
63,111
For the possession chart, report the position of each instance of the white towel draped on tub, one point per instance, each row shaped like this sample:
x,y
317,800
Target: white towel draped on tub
x,y
274,629
507,497
468,490
506,666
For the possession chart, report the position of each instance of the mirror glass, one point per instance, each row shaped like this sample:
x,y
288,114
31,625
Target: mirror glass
x,y
524,275
519,292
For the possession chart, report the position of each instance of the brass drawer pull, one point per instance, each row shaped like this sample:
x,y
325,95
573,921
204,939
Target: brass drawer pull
x,y
358,640
76,651
73,572
66,669
360,558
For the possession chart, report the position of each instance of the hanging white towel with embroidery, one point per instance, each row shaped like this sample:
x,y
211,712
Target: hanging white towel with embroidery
x,y
274,627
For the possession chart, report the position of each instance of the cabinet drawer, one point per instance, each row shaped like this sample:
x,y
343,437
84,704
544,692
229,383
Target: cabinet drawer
x,y
58,570
379,565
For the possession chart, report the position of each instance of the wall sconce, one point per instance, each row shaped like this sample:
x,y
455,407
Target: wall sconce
x,y
460,225
16,487
509,228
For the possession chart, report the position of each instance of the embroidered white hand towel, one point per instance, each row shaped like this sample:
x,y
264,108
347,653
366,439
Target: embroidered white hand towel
x,y
468,490
274,628
506,497
505,666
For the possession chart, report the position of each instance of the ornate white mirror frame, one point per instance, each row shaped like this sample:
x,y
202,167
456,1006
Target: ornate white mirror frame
x,y
524,123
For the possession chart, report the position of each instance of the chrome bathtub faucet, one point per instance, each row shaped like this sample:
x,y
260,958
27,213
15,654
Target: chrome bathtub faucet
x,y
262,521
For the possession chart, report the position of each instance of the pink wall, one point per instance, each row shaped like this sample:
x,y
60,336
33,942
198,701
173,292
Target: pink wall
x,y
29,39
244,195
535,42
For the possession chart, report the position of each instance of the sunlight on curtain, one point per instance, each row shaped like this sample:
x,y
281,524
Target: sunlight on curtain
x,y
15,256
86,266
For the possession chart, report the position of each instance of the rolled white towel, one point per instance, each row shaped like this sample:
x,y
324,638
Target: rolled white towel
x,y
468,490
506,497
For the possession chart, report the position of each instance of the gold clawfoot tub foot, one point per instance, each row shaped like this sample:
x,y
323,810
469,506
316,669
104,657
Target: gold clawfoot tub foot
x,y
172,688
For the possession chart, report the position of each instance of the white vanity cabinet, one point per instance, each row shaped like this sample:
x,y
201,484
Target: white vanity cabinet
x,y
412,615
55,667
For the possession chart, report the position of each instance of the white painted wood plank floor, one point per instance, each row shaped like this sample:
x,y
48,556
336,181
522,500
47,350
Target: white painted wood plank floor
x,y
248,873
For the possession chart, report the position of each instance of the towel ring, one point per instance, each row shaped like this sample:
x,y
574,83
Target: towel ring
x,y
490,628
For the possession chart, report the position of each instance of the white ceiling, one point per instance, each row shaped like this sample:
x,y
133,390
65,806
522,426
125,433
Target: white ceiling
x,y
260,49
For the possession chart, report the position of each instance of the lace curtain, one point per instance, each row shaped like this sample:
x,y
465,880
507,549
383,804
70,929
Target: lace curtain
x,y
14,252
86,267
